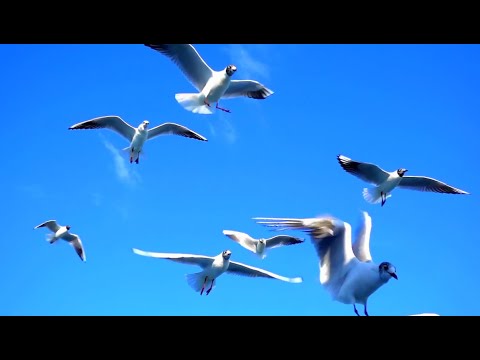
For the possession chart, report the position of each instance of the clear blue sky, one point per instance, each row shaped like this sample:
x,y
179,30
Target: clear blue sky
x,y
411,106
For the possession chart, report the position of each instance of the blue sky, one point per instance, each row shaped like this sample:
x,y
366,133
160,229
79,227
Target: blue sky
x,y
411,106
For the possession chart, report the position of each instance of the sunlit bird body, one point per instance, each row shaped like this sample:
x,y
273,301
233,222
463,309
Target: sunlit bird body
x,y
137,137
213,267
347,271
211,85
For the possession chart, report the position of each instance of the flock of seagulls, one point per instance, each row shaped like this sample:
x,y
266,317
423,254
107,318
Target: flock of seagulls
x,y
346,267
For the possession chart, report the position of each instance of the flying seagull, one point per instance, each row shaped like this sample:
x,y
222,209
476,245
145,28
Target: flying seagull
x,y
62,232
213,267
385,182
347,271
211,85
259,246
136,136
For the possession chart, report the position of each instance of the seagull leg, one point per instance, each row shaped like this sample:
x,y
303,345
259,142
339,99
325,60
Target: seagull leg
x,y
131,156
365,310
210,289
138,159
203,286
223,109
206,102
384,198
355,309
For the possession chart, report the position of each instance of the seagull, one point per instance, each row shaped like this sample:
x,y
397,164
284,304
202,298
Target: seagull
x,y
385,182
136,136
211,85
213,267
425,314
347,271
260,246
62,232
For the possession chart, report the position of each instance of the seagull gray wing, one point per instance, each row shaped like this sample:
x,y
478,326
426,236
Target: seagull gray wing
x,y
190,259
361,246
237,268
113,122
247,88
186,57
368,172
174,129
332,241
49,224
74,240
282,240
423,183
241,238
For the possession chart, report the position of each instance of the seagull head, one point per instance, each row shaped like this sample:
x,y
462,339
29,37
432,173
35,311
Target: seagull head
x,y
68,227
401,172
263,241
226,254
144,124
230,70
387,271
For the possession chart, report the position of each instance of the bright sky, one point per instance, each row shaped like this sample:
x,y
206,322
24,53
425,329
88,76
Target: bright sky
x,y
410,106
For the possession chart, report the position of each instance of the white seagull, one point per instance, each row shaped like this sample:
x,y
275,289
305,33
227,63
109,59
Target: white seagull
x,y
62,232
213,267
385,182
260,246
136,136
347,271
211,85
425,314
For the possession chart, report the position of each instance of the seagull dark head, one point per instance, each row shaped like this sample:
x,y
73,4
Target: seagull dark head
x,y
226,254
387,271
68,227
230,70
401,172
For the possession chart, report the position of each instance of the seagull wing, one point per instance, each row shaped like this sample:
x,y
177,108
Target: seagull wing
x,y
190,259
174,129
247,88
247,270
74,240
186,57
423,183
50,224
368,172
282,240
241,238
332,241
361,246
115,123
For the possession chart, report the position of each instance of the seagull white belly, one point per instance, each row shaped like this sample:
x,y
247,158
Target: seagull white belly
x,y
215,88
260,248
60,233
138,141
359,285
389,185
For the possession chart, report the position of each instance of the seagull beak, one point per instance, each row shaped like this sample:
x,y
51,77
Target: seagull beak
x,y
394,276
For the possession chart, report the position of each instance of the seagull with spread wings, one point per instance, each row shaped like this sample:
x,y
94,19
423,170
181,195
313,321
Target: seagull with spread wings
x,y
213,267
137,137
347,271
385,182
62,232
261,245
211,85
